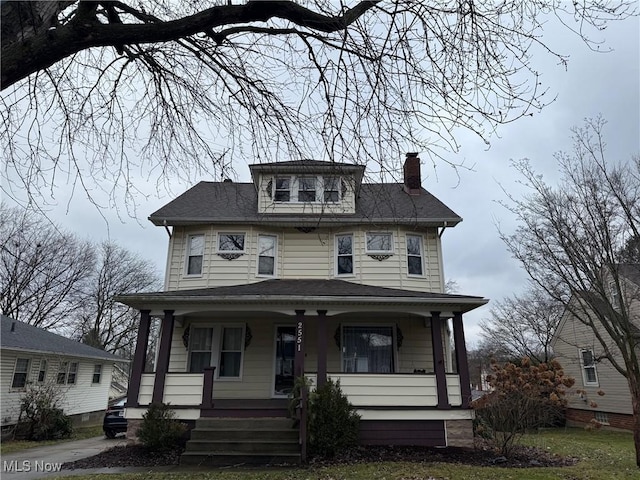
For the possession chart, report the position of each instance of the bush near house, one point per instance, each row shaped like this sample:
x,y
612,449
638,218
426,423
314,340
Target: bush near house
x,y
524,397
160,430
41,417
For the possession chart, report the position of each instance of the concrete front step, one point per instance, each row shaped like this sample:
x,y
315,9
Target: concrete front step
x,y
220,459
232,434
245,423
244,446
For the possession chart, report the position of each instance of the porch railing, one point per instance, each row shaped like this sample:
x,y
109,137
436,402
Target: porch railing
x,y
184,389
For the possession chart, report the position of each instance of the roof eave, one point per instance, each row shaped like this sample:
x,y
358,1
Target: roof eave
x,y
65,354
334,220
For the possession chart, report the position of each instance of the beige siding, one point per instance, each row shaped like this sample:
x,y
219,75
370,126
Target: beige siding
x,y
304,255
81,397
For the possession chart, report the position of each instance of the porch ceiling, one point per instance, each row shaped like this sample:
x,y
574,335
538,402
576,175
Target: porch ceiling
x,y
336,296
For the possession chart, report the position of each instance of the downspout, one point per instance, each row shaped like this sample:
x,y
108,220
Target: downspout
x,y
444,226
169,231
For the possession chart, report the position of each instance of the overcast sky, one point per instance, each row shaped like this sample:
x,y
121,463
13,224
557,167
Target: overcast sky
x,y
594,83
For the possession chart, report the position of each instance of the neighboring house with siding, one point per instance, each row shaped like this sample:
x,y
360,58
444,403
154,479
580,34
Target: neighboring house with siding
x,y
581,354
308,270
31,355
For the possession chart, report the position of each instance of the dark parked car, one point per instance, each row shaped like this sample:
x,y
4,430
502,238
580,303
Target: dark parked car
x,y
114,421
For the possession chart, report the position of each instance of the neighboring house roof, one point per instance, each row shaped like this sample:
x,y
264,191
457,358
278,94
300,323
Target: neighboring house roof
x,y
230,202
16,335
303,290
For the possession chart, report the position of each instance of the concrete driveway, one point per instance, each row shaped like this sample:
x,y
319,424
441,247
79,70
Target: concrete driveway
x,y
46,461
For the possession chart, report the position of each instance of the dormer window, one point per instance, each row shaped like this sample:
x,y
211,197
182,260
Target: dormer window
x,y
306,189
331,189
282,189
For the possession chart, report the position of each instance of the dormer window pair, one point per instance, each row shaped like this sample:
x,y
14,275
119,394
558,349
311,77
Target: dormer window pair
x,y
306,188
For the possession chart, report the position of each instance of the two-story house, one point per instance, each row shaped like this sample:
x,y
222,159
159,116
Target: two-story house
x,y
309,270
601,393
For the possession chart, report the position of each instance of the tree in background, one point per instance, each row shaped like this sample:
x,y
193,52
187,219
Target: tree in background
x,y
192,86
42,269
523,326
102,322
570,238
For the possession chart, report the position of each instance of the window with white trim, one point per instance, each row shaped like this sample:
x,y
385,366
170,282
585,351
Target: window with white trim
x,y
200,348
20,373
614,295
601,417
195,254
379,243
231,242
367,349
589,373
344,254
267,255
282,189
97,373
42,371
67,373
306,189
231,352
415,262
331,189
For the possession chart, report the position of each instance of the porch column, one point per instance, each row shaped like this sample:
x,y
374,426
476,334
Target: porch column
x,y
163,356
461,360
299,355
139,357
322,347
438,361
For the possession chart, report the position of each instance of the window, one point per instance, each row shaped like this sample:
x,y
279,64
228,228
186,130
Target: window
x,y
97,374
307,189
414,255
379,243
200,343
282,189
195,254
367,349
231,242
266,255
344,254
601,417
231,352
67,373
589,374
42,371
331,189
20,373
614,295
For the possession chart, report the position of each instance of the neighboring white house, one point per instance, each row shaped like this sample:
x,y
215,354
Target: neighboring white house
x,y
31,355
600,393
309,270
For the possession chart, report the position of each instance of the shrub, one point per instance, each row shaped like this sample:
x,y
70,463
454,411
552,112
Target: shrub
x,y
333,422
41,418
524,397
160,430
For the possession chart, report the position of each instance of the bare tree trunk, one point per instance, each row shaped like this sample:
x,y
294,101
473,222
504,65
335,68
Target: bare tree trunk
x,y
634,388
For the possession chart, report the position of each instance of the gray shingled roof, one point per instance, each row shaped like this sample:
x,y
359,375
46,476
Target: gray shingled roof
x,y
297,290
28,338
377,203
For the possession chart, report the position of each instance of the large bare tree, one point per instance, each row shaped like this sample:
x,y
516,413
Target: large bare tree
x,y
571,240
42,269
523,325
115,90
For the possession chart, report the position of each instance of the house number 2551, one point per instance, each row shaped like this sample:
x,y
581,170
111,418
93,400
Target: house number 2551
x,y
299,337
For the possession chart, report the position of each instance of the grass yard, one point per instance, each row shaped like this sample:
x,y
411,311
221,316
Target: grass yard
x,y
603,455
12,446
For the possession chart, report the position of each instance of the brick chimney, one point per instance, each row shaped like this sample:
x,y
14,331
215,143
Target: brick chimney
x,y
412,178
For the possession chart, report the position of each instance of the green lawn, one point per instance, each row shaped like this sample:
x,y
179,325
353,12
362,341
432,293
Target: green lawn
x,y
603,455
78,434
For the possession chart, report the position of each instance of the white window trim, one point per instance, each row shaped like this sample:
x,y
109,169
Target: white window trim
x,y
291,189
26,377
353,255
188,249
93,374
218,250
220,330
294,189
323,189
67,371
585,382
212,361
396,367
379,252
273,363
422,259
40,369
614,295
275,256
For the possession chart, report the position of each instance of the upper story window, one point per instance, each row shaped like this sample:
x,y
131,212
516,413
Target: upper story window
x,y
195,253
614,295
344,254
267,255
231,242
20,373
307,188
414,255
379,243
589,374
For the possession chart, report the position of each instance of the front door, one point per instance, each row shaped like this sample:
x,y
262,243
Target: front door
x,y
285,353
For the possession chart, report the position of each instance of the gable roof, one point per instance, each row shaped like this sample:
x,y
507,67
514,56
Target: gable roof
x,y
230,202
15,335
